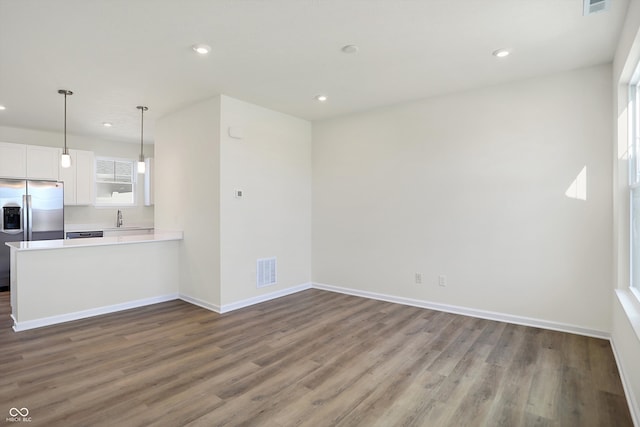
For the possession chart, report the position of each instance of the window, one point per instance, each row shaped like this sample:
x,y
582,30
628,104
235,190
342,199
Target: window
x,y
115,184
634,178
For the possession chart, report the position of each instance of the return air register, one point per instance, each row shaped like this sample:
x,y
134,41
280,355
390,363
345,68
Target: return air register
x,y
595,6
266,272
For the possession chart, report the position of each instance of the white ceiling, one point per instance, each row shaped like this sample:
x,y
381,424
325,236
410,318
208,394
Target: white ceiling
x,y
117,54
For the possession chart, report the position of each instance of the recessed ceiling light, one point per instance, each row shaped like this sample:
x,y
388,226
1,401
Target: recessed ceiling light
x,y
350,48
2,107
107,124
501,53
321,98
202,49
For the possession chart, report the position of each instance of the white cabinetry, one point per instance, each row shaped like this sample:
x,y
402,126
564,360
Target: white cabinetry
x,y
43,162
13,160
148,182
78,179
29,161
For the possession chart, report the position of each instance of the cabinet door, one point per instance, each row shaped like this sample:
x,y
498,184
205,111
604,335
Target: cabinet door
x,y
43,162
68,176
78,179
149,181
85,176
13,160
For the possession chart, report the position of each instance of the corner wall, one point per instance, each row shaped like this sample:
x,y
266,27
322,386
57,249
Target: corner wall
x,y
187,148
271,164
505,190
198,168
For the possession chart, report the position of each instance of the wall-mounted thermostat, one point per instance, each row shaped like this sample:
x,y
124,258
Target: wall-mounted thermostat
x,y
238,194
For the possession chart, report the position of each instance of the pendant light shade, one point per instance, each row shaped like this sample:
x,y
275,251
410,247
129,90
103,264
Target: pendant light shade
x,y
65,160
141,164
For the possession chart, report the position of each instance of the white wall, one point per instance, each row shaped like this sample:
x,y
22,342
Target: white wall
x,y
198,168
187,148
625,331
472,186
135,215
272,165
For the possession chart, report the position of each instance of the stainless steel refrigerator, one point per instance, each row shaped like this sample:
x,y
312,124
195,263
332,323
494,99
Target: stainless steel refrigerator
x,y
30,210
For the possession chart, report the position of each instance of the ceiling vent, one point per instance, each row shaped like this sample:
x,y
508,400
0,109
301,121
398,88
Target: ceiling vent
x,y
595,6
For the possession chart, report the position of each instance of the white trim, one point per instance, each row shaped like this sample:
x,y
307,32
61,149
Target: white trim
x,y
68,317
636,293
483,314
265,297
632,402
631,307
200,303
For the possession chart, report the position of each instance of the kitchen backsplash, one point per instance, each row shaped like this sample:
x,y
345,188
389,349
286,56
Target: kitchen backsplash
x,y
106,217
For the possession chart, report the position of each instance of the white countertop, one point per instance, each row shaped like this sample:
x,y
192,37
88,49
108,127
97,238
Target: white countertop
x,y
156,236
105,227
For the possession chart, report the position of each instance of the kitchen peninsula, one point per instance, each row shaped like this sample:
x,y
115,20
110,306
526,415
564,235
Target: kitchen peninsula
x,y
54,281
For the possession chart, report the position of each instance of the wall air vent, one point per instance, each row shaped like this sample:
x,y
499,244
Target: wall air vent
x,y
266,272
595,6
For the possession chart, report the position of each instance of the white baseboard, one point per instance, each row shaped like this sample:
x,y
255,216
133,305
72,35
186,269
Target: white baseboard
x,y
483,314
246,302
632,402
265,297
68,317
200,303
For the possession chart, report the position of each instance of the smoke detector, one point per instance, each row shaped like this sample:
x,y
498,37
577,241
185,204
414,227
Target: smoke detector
x,y
595,6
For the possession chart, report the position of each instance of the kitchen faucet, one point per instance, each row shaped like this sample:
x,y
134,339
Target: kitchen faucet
x,y
119,219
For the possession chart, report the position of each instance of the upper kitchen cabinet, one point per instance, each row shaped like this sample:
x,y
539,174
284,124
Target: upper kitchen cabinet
x,y
78,179
149,181
29,161
13,160
43,162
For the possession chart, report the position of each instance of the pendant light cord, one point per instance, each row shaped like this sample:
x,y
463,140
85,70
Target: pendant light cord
x,y
142,131
142,110
65,92
65,123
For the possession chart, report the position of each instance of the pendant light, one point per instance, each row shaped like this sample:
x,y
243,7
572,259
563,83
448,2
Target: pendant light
x,y
141,165
65,160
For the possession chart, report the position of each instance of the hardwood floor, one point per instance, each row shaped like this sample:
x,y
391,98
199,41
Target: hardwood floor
x,y
311,359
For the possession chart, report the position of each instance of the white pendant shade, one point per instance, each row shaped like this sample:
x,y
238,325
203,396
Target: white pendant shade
x,y
65,161
141,165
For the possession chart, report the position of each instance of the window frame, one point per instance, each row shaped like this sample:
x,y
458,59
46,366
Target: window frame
x,y
633,130
133,164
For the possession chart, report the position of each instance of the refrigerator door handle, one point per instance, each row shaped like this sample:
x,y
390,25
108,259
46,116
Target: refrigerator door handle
x,y
25,223
29,218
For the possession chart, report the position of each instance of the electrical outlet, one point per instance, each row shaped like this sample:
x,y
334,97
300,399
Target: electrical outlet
x,y
442,280
418,278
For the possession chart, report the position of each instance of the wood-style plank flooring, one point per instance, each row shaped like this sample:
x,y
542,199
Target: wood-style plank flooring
x,y
315,358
